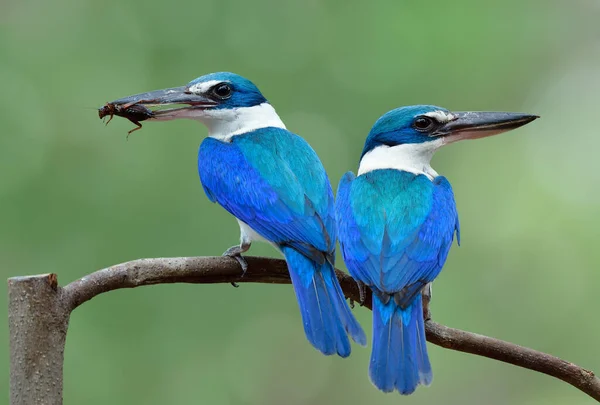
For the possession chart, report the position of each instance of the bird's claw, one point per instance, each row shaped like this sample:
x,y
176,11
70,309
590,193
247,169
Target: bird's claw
x,y
426,297
243,263
362,294
235,252
426,311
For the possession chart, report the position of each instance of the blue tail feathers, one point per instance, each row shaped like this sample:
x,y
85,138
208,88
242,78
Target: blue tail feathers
x,y
325,314
399,357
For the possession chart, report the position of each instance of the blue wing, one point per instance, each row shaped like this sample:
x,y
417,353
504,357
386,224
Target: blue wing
x,y
395,229
272,180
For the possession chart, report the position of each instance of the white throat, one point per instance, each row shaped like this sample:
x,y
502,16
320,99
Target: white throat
x,y
408,157
224,124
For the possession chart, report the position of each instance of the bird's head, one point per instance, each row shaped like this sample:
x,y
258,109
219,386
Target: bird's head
x,y
223,91
225,102
410,135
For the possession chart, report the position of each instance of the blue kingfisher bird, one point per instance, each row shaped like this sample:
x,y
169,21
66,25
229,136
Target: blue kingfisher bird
x,y
396,223
272,182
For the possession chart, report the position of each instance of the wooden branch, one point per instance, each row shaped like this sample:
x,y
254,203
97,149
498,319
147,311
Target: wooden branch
x,y
207,270
38,324
456,339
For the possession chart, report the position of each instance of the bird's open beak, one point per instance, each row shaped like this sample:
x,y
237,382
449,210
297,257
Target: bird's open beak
x,y
474,125
166,104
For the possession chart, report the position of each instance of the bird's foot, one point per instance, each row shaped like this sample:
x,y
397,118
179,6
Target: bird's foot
x,y
235,252
426,294
362,293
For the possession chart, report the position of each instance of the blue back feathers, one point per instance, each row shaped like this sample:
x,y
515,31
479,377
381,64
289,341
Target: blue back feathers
x,y
396,127
286,195
395,228
244,94
272,180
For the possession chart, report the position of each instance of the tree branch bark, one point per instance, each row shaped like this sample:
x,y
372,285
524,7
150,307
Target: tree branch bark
x,y
209,270
38,322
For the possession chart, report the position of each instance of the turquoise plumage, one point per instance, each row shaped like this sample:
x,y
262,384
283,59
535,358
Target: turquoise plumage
x,y
273,181
396,223
395,231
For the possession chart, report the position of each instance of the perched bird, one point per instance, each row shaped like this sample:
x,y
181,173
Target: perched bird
x,y
272,181
396,223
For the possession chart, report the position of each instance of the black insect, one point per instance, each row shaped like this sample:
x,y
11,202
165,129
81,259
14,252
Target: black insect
x,y
132,111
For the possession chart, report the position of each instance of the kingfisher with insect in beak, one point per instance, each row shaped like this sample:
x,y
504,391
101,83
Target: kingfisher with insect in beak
x,y
396,222
274,184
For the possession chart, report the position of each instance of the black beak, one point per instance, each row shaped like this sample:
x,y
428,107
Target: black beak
x,y
182,101
473,125
175,95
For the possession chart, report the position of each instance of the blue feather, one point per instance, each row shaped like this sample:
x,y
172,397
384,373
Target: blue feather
x,y
390,220
325,314
258,179
272,180
399,357
395,230
244,94
394,127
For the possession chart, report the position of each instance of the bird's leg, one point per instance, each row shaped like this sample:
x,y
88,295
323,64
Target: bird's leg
x,y
362,294
426,294
236,253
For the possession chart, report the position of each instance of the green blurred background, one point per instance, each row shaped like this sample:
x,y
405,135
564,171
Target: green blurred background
x,y
76,196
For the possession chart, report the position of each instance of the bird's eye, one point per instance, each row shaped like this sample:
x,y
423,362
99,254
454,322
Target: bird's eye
x,y
222,91
423,124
